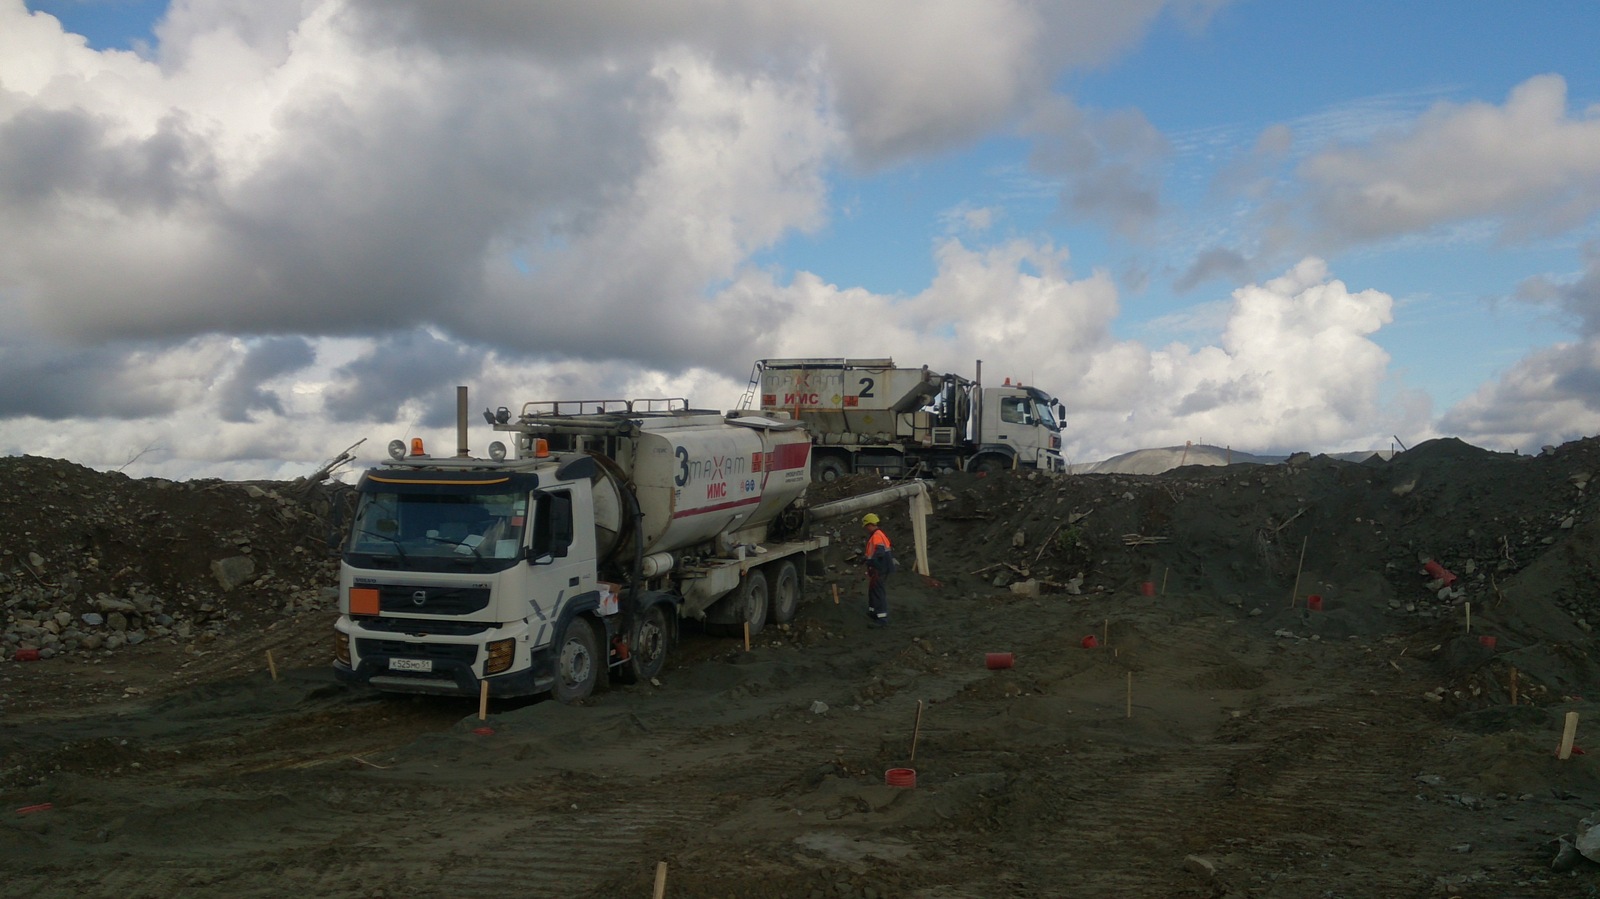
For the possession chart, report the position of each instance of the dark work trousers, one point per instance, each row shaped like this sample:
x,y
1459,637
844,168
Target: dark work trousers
x,y
877,595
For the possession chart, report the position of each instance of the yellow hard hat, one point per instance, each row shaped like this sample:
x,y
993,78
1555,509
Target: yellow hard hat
x,y
870,518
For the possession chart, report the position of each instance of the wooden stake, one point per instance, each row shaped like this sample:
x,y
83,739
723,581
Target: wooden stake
x,y
1164,573
1513,686
1296,591
916,729
835,594
1469,616
483,700
271,666
661,880
747,636
1105,637
1130,694
1567,736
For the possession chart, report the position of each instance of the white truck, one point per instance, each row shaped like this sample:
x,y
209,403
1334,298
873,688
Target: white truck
x,y
868,415
578,554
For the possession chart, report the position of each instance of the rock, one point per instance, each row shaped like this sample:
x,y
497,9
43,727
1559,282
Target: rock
x,y
233,571
92,641
107,603
36,560
818,707
93,619
1019,539
117,621
1588,843
1029,587
1202,866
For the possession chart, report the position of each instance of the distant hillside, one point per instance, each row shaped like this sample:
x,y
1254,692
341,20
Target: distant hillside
x,y
1156,461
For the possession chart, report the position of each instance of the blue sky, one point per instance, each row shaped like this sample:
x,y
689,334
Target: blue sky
x,y
243,236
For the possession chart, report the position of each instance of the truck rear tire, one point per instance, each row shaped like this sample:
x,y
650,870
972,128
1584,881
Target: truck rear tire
x,y
785,593
578,663
829,468
753,601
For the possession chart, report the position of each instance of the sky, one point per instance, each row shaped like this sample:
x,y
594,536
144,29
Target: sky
x,y
239,237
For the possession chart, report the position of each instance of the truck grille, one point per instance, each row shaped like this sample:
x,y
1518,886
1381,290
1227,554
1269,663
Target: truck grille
x,y
403,600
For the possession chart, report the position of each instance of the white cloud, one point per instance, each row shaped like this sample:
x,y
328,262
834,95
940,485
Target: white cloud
x,y
1528,164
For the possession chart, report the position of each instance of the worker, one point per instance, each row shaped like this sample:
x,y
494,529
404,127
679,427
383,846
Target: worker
x,y
879,558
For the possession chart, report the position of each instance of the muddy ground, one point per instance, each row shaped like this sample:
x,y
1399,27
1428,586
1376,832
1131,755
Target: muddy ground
x,y
1220,739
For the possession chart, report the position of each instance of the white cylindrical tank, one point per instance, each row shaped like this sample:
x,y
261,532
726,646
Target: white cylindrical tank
x,y
698,476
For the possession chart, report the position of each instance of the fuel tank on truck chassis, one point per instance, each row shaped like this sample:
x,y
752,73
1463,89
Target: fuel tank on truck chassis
x,y
698,477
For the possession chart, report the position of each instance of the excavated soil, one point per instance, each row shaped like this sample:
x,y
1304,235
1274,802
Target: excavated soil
x,y
1240,681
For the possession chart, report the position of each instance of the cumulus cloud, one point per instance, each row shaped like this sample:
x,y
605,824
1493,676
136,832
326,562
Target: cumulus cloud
x,y
288,225
1110,163
1528,165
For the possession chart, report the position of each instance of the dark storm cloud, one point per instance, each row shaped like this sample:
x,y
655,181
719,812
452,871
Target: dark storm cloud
x,y
400,368
57,382
241,393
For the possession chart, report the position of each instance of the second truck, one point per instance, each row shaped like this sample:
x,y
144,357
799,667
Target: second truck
x,y
869,415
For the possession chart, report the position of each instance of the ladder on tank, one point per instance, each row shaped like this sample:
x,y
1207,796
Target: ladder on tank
x,y
751,388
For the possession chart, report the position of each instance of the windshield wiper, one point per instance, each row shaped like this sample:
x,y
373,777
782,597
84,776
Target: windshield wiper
x,y
398,549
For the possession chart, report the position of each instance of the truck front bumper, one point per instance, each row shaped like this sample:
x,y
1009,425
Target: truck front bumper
x,y
442,664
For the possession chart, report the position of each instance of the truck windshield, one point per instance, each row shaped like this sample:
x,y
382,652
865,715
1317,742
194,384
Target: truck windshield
x,y
1046,417
438,531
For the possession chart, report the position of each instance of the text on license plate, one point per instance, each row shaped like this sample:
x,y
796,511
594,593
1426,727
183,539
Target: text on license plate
x,y
410,664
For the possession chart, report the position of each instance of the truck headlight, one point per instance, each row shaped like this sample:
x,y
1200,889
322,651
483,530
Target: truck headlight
x,y
501,654
341,647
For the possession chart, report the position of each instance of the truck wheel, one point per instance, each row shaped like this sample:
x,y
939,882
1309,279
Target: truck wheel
x,y
991,463
829,468
578,664
649,650
785,593
753,601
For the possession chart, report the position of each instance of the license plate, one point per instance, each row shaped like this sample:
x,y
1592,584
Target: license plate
x,y
410,664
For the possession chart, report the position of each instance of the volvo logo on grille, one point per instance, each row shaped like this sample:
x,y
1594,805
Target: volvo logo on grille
x,y
419,597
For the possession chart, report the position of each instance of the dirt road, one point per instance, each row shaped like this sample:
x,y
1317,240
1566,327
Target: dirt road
x,y
1287,766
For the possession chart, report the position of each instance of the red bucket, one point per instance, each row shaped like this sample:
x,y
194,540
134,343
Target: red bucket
x,y
1147,588
999,660
1314,602
1487,641
900,777
27,655
1089,642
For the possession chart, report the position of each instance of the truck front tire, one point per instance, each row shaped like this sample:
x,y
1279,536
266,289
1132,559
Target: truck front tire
x,y
578,662
991,463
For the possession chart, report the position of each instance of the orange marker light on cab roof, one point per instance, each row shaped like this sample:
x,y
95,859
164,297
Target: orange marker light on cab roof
x,y
541,448
416,447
